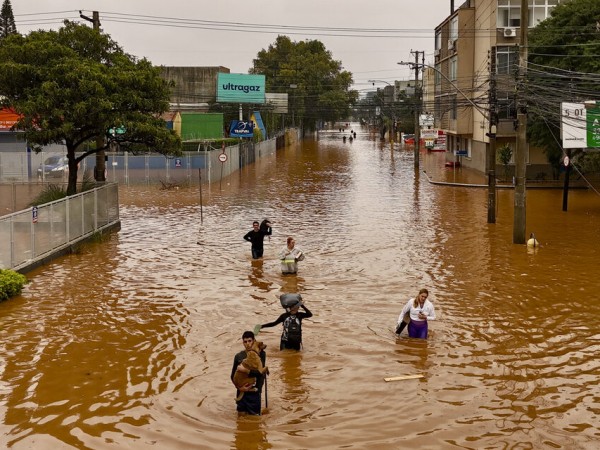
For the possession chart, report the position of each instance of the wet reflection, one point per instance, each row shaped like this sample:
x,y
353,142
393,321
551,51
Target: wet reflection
x,y
250,434
295,393
257,278
292,284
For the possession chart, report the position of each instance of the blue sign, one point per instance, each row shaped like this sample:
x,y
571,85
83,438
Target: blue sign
x,y
461,152
241,129
240,88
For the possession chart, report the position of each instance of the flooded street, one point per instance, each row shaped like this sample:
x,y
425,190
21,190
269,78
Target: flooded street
x,y
129,344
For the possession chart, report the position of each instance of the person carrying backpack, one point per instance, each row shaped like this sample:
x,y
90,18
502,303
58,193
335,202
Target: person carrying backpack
x,y
291,337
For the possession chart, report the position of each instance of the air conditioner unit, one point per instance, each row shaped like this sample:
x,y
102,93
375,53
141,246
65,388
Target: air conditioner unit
x,y
510,32
437,52
451,43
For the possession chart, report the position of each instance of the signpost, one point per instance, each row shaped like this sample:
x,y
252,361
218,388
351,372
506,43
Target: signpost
x,y
223,157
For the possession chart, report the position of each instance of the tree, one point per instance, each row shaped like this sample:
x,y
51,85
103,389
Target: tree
x,y
7,20
72,85
318,88
504,156
563,67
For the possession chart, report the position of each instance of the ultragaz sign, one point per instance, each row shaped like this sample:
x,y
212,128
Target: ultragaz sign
x,y
240,88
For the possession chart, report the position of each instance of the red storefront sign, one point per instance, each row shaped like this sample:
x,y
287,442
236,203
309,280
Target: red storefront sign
x,y
7,119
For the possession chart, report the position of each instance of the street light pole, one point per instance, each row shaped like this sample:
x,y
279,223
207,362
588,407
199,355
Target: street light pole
x,y
392,129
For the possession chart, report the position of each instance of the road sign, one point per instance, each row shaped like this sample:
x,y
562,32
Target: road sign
x,y
34,214
566,161
222,157
114,131
240,128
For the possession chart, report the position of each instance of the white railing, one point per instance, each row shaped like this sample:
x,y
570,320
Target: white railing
x,y
34,234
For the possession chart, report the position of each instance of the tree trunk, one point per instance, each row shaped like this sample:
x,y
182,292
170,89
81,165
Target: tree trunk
x,y
72,186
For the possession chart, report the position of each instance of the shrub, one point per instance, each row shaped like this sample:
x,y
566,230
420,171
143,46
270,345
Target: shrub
x,y
11,283
54,192
50,193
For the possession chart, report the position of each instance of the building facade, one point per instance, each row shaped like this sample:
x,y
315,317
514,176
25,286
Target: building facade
x,y
476,64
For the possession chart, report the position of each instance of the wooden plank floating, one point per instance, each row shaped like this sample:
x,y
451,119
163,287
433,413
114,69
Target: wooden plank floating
x,y
404,377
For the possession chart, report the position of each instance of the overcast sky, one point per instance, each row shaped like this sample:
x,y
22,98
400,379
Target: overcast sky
x,y
368,37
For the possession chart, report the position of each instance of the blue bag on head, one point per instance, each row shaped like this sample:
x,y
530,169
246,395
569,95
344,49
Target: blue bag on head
x,y
288,301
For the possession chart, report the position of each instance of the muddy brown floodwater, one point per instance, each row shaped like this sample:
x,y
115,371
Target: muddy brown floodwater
x,y
129,343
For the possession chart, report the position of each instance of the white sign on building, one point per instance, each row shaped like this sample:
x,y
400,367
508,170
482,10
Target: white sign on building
x,y
426,120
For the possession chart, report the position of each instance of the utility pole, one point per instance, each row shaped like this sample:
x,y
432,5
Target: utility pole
x,y
491,149
567,163
417,110
100,169
519,223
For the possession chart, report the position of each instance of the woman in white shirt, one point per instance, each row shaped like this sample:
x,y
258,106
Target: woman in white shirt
x,y
290,256
420,310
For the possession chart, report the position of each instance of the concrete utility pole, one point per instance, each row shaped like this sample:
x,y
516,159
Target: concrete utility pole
x,y
491,149
519,223
100,169
417,110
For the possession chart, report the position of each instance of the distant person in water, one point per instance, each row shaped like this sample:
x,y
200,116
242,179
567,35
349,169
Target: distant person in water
x,y
289,256
256,236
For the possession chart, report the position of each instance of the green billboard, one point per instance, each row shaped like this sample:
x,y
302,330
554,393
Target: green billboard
x,y
201,126
593,127
240,88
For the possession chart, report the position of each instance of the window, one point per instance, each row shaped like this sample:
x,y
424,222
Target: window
x,y
507,106
507,59
438,40
437,80
454,28
453,68
540,11
509,12
453,110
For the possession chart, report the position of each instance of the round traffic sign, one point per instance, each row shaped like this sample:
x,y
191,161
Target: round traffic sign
x,y
566,161
222,157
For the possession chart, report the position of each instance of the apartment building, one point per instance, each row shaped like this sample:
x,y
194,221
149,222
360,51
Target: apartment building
x,y
477,42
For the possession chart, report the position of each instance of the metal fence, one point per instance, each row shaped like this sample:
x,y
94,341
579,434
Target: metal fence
x,y
206,165
34,234
125,168
144,169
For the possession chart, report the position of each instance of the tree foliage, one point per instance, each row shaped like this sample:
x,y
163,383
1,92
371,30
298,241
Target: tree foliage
x,y
72,85
317,85
563,67
7,20
11,283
